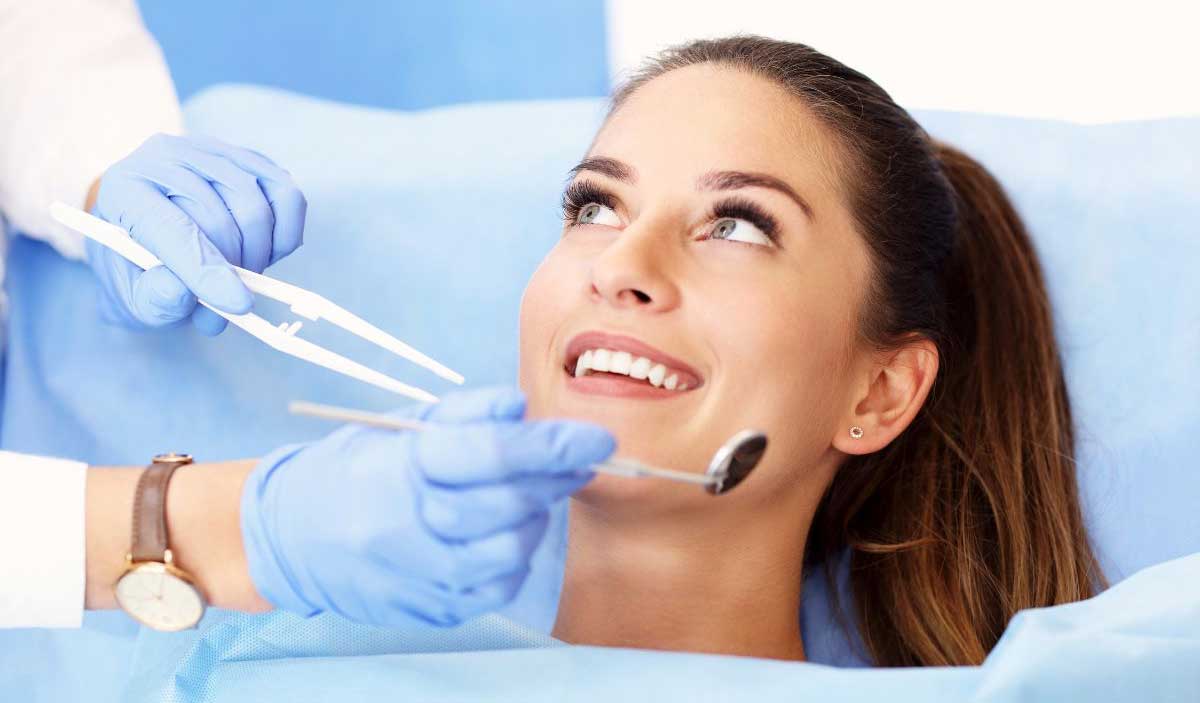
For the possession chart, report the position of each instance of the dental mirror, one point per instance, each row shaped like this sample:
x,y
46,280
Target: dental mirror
x,y
734,461
730,465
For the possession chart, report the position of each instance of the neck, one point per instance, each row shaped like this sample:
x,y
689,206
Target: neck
x,y
713,586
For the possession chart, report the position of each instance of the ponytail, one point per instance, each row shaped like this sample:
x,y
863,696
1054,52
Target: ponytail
x,y
972,514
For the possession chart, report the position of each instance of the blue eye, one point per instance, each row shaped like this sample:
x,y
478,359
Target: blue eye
x,y
739,230
597,214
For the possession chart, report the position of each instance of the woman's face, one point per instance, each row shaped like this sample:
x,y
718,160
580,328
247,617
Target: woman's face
x,y
706,233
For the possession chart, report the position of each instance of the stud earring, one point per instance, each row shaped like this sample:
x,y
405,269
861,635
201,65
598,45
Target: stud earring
x,y
856,432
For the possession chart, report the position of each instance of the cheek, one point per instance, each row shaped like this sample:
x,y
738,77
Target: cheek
x,y
543,308
783,345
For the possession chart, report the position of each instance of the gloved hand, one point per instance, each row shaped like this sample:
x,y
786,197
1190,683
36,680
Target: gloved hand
x,y
394,527
195,203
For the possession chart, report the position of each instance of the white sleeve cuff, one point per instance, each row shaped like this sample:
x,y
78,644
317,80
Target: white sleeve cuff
x,y
42,542
84,85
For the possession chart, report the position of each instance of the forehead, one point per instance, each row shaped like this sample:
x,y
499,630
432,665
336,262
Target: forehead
x,y
708,117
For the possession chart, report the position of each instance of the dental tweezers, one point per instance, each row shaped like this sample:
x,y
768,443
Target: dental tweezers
x,y
283,337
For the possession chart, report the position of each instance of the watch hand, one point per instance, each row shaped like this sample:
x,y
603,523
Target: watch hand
x,y
143,589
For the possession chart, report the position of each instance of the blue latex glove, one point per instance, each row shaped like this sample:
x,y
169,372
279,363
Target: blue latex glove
x,y
388,528
195,203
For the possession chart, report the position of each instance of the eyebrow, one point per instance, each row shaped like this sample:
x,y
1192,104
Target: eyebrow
x,y
733,180
713,180
608,167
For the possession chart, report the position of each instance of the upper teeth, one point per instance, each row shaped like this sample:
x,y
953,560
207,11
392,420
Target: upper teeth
x,y
624,363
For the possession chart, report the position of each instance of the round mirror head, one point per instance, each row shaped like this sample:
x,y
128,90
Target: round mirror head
x,y
734,461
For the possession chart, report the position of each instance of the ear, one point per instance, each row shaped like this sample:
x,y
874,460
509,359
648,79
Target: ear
x,y
895,387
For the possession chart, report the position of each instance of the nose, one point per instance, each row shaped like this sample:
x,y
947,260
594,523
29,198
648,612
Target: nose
x,y
631,274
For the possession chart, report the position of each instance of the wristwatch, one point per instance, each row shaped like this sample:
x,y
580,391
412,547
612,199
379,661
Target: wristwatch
x,y
153,590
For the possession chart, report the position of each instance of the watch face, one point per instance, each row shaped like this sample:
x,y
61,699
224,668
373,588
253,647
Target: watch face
x,y
158,598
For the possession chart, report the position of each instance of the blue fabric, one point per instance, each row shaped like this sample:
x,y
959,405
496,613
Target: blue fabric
x,y
411,54
429,224
1137,641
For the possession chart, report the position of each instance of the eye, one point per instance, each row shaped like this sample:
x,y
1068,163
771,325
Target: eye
x,y
586,203
738,230
597,214
743,220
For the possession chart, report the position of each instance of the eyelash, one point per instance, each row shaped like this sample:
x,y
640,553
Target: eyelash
x,y
743,209
580,193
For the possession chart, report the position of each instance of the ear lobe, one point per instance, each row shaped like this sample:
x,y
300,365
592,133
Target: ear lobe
x,y
899,384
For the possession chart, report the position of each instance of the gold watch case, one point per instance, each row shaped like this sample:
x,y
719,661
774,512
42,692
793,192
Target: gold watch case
x,y
160,595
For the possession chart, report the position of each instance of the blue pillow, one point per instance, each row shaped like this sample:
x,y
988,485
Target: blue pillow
x,y
429,224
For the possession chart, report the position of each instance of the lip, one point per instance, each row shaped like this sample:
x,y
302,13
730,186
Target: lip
x,y
616,385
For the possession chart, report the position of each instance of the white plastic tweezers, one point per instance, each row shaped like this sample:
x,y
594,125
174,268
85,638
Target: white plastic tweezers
x,y
283,337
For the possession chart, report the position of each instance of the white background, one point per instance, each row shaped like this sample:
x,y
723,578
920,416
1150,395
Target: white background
x,y
1081,61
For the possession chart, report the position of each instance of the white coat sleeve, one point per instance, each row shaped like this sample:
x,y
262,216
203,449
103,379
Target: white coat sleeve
x,y
82,84
42,543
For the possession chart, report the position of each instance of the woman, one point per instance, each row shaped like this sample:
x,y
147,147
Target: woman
x,y
758,237
801,258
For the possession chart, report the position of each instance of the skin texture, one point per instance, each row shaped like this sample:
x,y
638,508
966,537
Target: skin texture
x,y
203,504
771,328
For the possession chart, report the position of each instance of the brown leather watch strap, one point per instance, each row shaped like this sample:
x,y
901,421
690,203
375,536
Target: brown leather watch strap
x,y
149,541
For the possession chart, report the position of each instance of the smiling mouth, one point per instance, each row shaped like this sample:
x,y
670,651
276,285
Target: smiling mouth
x,y
616,364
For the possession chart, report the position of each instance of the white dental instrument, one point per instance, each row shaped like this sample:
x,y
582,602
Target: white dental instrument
x,y
730,465
283,338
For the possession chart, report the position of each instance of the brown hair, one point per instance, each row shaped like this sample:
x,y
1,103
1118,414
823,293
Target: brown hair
x,y
973,512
